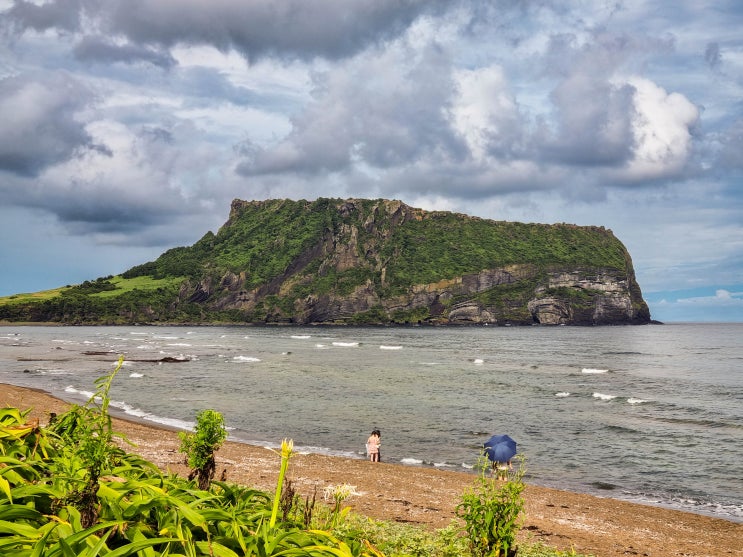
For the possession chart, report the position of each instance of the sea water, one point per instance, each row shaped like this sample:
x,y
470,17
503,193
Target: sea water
x,y
651,414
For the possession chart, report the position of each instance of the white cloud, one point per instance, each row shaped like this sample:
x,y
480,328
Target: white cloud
x,y
661,128
484,112
721,297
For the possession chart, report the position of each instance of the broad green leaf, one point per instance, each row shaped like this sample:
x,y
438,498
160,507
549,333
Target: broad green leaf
x,y
7,527
40,546
5,487
16,512
64,547
134,547
215,549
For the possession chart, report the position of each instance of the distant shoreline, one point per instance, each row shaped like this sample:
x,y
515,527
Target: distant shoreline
x,y
327,325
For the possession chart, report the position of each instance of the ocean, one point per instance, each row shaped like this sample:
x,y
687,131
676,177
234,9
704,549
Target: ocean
x,y
650,414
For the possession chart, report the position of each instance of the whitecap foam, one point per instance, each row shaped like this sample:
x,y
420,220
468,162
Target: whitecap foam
x,y
178,344
54,372
321,346
245,359
602,396
388,347
562,394
478,361
129,410
73,391
300,337
136,375
345,344
413,461
593,370
633,400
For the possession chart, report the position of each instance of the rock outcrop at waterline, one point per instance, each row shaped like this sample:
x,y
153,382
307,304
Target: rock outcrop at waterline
x,y
361,261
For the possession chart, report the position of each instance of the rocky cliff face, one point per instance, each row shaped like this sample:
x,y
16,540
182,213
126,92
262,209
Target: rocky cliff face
x,y
370,242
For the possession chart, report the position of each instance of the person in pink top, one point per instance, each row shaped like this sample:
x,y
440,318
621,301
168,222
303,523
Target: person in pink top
x,y
372,445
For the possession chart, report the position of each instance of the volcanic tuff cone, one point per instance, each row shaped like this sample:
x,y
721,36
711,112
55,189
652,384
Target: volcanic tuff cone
x,y
361,261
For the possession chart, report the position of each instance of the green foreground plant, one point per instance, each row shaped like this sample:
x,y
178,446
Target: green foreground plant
x,y
491,511
201,445
87,434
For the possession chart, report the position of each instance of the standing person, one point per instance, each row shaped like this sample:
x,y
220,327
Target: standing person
x,y
373,444
500,469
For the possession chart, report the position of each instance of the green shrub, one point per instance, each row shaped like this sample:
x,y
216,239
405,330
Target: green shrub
x,y
491,511
87,435
201,445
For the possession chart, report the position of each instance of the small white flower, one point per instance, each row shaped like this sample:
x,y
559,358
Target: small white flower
x,y
340,492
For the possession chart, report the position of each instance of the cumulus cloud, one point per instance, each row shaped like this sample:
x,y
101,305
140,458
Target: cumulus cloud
x,y
39,125
385,109
662,130
486,114
592,112
407,115
145,181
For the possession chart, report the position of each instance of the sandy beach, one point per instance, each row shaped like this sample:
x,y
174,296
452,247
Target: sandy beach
x,y
427,497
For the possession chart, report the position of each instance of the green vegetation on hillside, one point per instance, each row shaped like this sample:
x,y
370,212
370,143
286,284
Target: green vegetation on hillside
x,y
111,300
262,242
279,255
445,246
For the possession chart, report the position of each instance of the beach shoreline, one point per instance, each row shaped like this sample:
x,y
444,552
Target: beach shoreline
x,y
427,497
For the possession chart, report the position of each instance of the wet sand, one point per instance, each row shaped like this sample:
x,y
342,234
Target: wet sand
x,y
427,497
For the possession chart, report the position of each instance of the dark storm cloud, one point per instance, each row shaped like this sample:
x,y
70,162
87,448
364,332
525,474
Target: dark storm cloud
x,y
39,127
64,15
102,50
295,29
85,210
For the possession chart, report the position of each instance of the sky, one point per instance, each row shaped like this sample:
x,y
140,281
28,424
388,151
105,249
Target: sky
x,y
128,126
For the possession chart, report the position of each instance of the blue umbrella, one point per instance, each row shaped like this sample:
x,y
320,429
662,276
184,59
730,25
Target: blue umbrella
x,y
500,448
